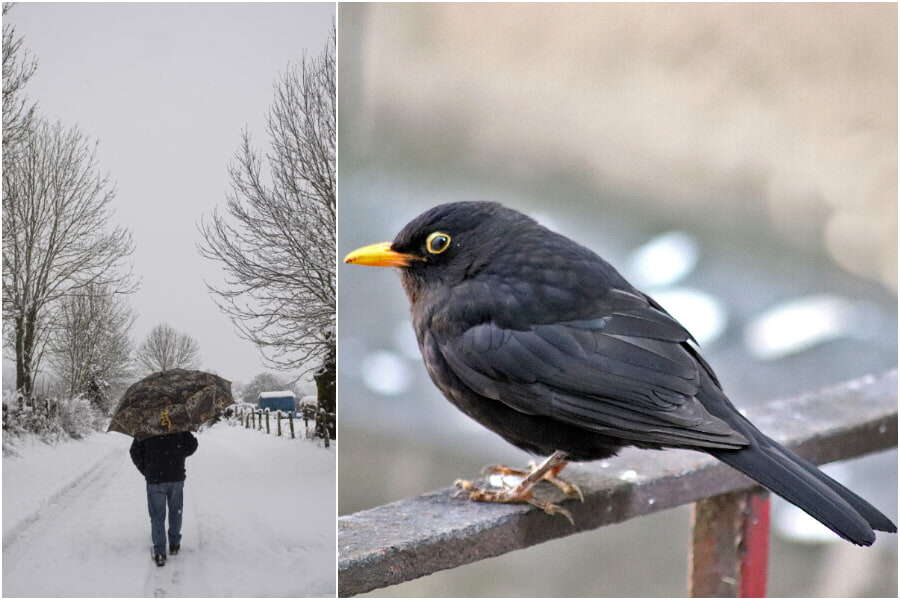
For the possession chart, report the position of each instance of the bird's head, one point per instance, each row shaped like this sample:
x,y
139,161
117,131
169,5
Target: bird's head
x,y
447,243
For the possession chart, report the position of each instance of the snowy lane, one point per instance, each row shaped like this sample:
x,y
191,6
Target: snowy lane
x,y
37,473
271,514
85,540
259,521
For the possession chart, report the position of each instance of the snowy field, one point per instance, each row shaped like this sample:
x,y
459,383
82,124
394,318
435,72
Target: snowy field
x,y
258,520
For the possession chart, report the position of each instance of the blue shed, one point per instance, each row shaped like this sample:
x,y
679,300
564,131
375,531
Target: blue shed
x,y
283,400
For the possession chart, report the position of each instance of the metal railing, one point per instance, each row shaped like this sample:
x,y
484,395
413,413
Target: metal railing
x,y
418,536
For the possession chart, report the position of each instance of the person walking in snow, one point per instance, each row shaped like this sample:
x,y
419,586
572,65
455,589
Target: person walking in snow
x,y
160,459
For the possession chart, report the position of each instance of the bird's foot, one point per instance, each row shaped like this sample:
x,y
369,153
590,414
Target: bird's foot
x,y
523,491
551,476
510,495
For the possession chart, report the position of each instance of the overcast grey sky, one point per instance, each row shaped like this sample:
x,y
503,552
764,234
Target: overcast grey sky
x,y
166,89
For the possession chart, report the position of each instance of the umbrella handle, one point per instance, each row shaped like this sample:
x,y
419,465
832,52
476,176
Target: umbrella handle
x,y
165,420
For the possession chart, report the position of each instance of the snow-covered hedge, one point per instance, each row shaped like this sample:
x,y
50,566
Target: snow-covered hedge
x,y
51,419
78,417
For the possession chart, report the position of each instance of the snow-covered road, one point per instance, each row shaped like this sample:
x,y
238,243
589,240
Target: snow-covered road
x,y
259,520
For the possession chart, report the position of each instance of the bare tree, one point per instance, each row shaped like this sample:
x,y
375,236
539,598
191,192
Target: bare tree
x,y
90,348
57,240
165,349
326,381
276,240
263,382
18,67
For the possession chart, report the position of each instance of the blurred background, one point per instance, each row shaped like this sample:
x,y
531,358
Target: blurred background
x,y
737,162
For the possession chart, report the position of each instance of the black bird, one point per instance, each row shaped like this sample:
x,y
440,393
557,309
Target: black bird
x,y
544,343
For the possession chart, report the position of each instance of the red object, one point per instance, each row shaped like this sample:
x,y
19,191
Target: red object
x,y
755,563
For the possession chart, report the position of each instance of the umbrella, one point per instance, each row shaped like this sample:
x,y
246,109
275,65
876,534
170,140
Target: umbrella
x,y
171,401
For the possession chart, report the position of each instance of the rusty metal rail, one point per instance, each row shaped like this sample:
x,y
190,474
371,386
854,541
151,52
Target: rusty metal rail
x,y
418,536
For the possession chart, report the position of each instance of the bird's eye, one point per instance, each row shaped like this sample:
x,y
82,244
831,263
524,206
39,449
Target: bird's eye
x,y
437,242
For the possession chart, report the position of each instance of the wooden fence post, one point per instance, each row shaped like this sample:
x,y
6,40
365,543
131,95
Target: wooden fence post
x,y
278,416
292,424
267,423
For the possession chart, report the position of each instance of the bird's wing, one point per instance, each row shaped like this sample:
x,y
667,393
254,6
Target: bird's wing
x,y
628,373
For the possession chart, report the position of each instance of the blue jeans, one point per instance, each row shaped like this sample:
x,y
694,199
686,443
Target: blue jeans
x,y
158,495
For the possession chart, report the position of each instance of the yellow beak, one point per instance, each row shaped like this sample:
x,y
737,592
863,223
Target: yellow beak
x,y
379,255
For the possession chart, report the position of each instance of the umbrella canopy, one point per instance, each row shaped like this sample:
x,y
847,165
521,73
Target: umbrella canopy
x,y
171,401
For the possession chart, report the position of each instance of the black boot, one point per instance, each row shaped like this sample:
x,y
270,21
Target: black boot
x,y
174,548
160,559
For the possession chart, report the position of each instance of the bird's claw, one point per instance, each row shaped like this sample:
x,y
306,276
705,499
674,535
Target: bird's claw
x,y
552,509
517,494
566,487
480,494
502,470
462,486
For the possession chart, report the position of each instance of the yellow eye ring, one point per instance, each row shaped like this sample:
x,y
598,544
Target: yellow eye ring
x,y
437,242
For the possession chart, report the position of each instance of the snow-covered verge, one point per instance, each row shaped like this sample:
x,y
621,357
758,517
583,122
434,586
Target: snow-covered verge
x,y
259,520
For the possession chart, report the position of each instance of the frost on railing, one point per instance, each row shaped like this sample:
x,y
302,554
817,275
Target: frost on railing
x,y
417,536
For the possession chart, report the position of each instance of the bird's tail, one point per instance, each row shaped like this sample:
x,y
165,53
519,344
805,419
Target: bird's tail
x,y
799,481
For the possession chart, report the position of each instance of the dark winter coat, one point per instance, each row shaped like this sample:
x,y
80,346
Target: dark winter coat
x,y
160,458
